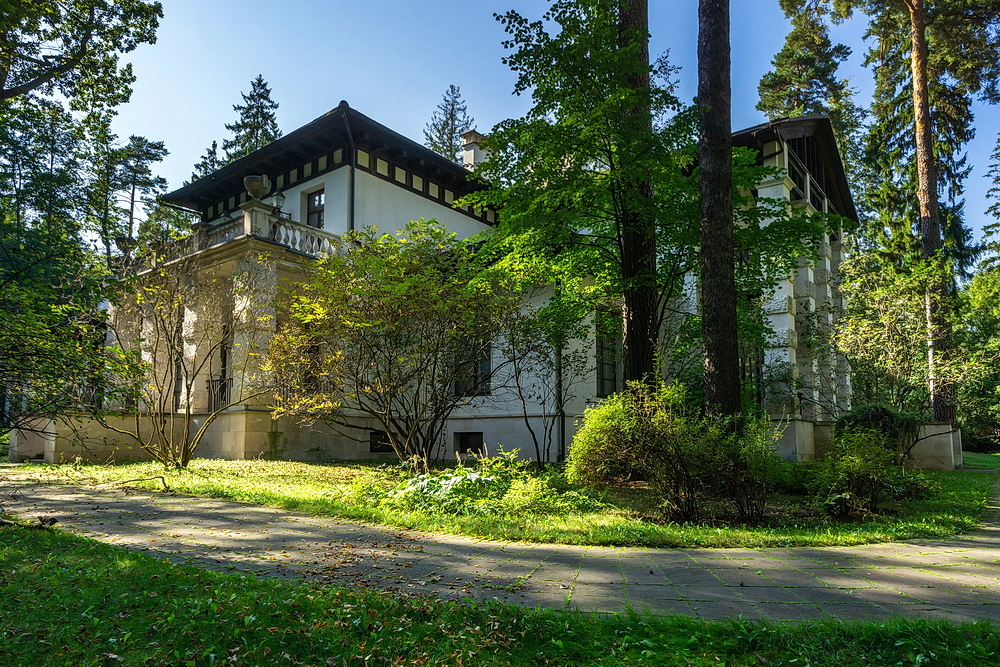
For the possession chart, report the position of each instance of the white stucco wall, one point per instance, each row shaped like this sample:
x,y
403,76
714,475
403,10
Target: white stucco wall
x,y
389,207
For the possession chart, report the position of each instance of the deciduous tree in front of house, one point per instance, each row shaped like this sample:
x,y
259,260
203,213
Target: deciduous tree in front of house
x,y
196,332
72,49
399,330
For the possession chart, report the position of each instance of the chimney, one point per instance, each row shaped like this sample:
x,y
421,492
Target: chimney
x,y
472,153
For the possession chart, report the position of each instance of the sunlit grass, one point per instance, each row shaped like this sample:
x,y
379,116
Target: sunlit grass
x,y
306,487
982,461
66,600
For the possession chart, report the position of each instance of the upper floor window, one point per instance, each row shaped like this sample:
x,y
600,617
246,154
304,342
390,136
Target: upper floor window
x,y
315,204
607,365
473,377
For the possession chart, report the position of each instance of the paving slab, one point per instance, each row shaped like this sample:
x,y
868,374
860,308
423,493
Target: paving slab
x,y
956,579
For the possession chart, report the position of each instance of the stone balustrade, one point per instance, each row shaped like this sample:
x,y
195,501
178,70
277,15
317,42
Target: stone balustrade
x,y
263,221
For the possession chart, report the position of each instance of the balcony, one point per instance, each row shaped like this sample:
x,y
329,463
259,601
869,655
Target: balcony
x,y
259,220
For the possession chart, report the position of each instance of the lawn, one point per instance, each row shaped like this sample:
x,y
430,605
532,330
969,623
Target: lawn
x,y
311,488
981,461
67,600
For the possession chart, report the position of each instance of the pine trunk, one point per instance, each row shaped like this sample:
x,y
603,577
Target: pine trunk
x,y
942,390
638,231
718,280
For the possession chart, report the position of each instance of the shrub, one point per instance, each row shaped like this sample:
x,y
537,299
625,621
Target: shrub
x,y
854,472
795,478
902,484
745,464
901,428
652,433
648,432
980,443
537,495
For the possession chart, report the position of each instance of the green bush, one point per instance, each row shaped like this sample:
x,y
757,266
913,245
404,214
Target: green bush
x,y
795,478
649,433
980,443
901,428
494,486
652,433
537,495
904,484
853,474
745,464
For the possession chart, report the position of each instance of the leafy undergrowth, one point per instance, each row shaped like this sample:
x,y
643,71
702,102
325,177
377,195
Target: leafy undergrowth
x,y
66,600
312,488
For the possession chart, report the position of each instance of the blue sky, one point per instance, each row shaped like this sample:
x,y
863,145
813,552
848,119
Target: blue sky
x,y
392,60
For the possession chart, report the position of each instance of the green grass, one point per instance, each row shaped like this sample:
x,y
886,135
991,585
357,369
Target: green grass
x,y
981,461
69,601
305,487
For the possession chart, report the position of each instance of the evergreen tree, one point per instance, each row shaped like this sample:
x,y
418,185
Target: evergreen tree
x,y
257,125
119,180
208,163
443,134
991,247
715,148
963,63
804,80
138,156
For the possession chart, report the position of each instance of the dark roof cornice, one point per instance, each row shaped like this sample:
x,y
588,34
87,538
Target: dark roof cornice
x,y
321,137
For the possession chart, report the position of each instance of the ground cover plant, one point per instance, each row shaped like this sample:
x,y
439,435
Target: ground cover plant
x,y
67,600
628,516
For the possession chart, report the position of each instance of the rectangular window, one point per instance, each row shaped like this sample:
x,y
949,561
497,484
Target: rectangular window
x,y
607,366
381,166
473,379
400,175
378,442
178,382
469,442
433,190
418,183
363,159
219,385
315,205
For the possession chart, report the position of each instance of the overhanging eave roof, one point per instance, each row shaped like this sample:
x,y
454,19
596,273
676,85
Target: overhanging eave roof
x,y
818,127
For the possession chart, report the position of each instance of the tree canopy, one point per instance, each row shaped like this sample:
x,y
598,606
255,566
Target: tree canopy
x,y
443,134
257,125
398,329
72,47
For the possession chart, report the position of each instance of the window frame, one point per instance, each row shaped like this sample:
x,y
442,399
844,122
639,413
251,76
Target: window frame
x,y
311,210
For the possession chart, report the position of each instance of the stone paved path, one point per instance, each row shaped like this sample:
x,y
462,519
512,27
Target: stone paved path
x,y
956,579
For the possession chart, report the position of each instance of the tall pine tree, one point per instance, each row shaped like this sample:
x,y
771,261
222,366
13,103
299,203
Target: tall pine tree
x,y
443,134
805,80
208,163
992,245
715,147
951,49
257,125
